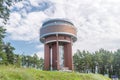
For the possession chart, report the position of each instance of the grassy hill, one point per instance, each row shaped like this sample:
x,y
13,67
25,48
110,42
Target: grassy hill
x,y
13,73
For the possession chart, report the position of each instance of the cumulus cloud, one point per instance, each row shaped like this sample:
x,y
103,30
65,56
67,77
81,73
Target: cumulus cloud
x,y
97,21
25,29
40,54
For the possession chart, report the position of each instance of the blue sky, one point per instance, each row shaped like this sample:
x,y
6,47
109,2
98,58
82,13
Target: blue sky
x,y
97,23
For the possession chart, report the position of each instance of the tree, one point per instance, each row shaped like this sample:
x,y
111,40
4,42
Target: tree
x,y
78,61
105,61
2,35
116,63
35,60
40,64
9,52
83,61
32,61
17,60
5,9
2,54
3,58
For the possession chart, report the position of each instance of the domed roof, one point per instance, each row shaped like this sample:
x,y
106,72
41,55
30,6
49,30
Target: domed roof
x,y
57,21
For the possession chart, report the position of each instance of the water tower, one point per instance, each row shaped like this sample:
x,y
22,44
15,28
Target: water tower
x,y
58,36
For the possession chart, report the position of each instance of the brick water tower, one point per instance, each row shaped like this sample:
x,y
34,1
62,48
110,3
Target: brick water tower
x,y
58,36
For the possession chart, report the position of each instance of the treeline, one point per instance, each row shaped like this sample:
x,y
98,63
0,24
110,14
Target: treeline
x,y
8,57
102,62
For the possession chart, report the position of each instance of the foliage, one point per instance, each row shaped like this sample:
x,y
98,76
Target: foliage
x,y
9,53
13,73
2,35
102,61
5,9
32,61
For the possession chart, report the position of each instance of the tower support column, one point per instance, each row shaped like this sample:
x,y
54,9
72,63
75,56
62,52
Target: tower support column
x,y
46,57
54,58
57,50
68,56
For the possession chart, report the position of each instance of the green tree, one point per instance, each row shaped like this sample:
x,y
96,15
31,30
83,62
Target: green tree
x,y
35,60
9,52
2,54
105,61
82,61
77,59
5,9
116,63
3,58
2,35
40,64
17,60
23,60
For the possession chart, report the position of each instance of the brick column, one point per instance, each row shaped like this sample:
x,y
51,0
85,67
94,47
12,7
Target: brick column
x,y
65,56
57,50
46,57
54,54
70,61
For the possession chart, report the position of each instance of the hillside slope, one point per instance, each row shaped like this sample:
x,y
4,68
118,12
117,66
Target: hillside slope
x,y
12,73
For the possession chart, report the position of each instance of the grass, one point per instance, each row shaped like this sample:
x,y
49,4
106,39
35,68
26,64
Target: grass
x,y
13,73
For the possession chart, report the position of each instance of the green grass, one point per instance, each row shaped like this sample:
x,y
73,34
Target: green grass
x,y
13,73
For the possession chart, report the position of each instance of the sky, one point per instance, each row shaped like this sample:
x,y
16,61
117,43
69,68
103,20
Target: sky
x,y
97,23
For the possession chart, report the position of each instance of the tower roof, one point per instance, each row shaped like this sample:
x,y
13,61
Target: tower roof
x,y
57,21
58,26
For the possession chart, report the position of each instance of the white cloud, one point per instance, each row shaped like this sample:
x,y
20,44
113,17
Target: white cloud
x,y
40,54
40,46
35,2
97,22
25,29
